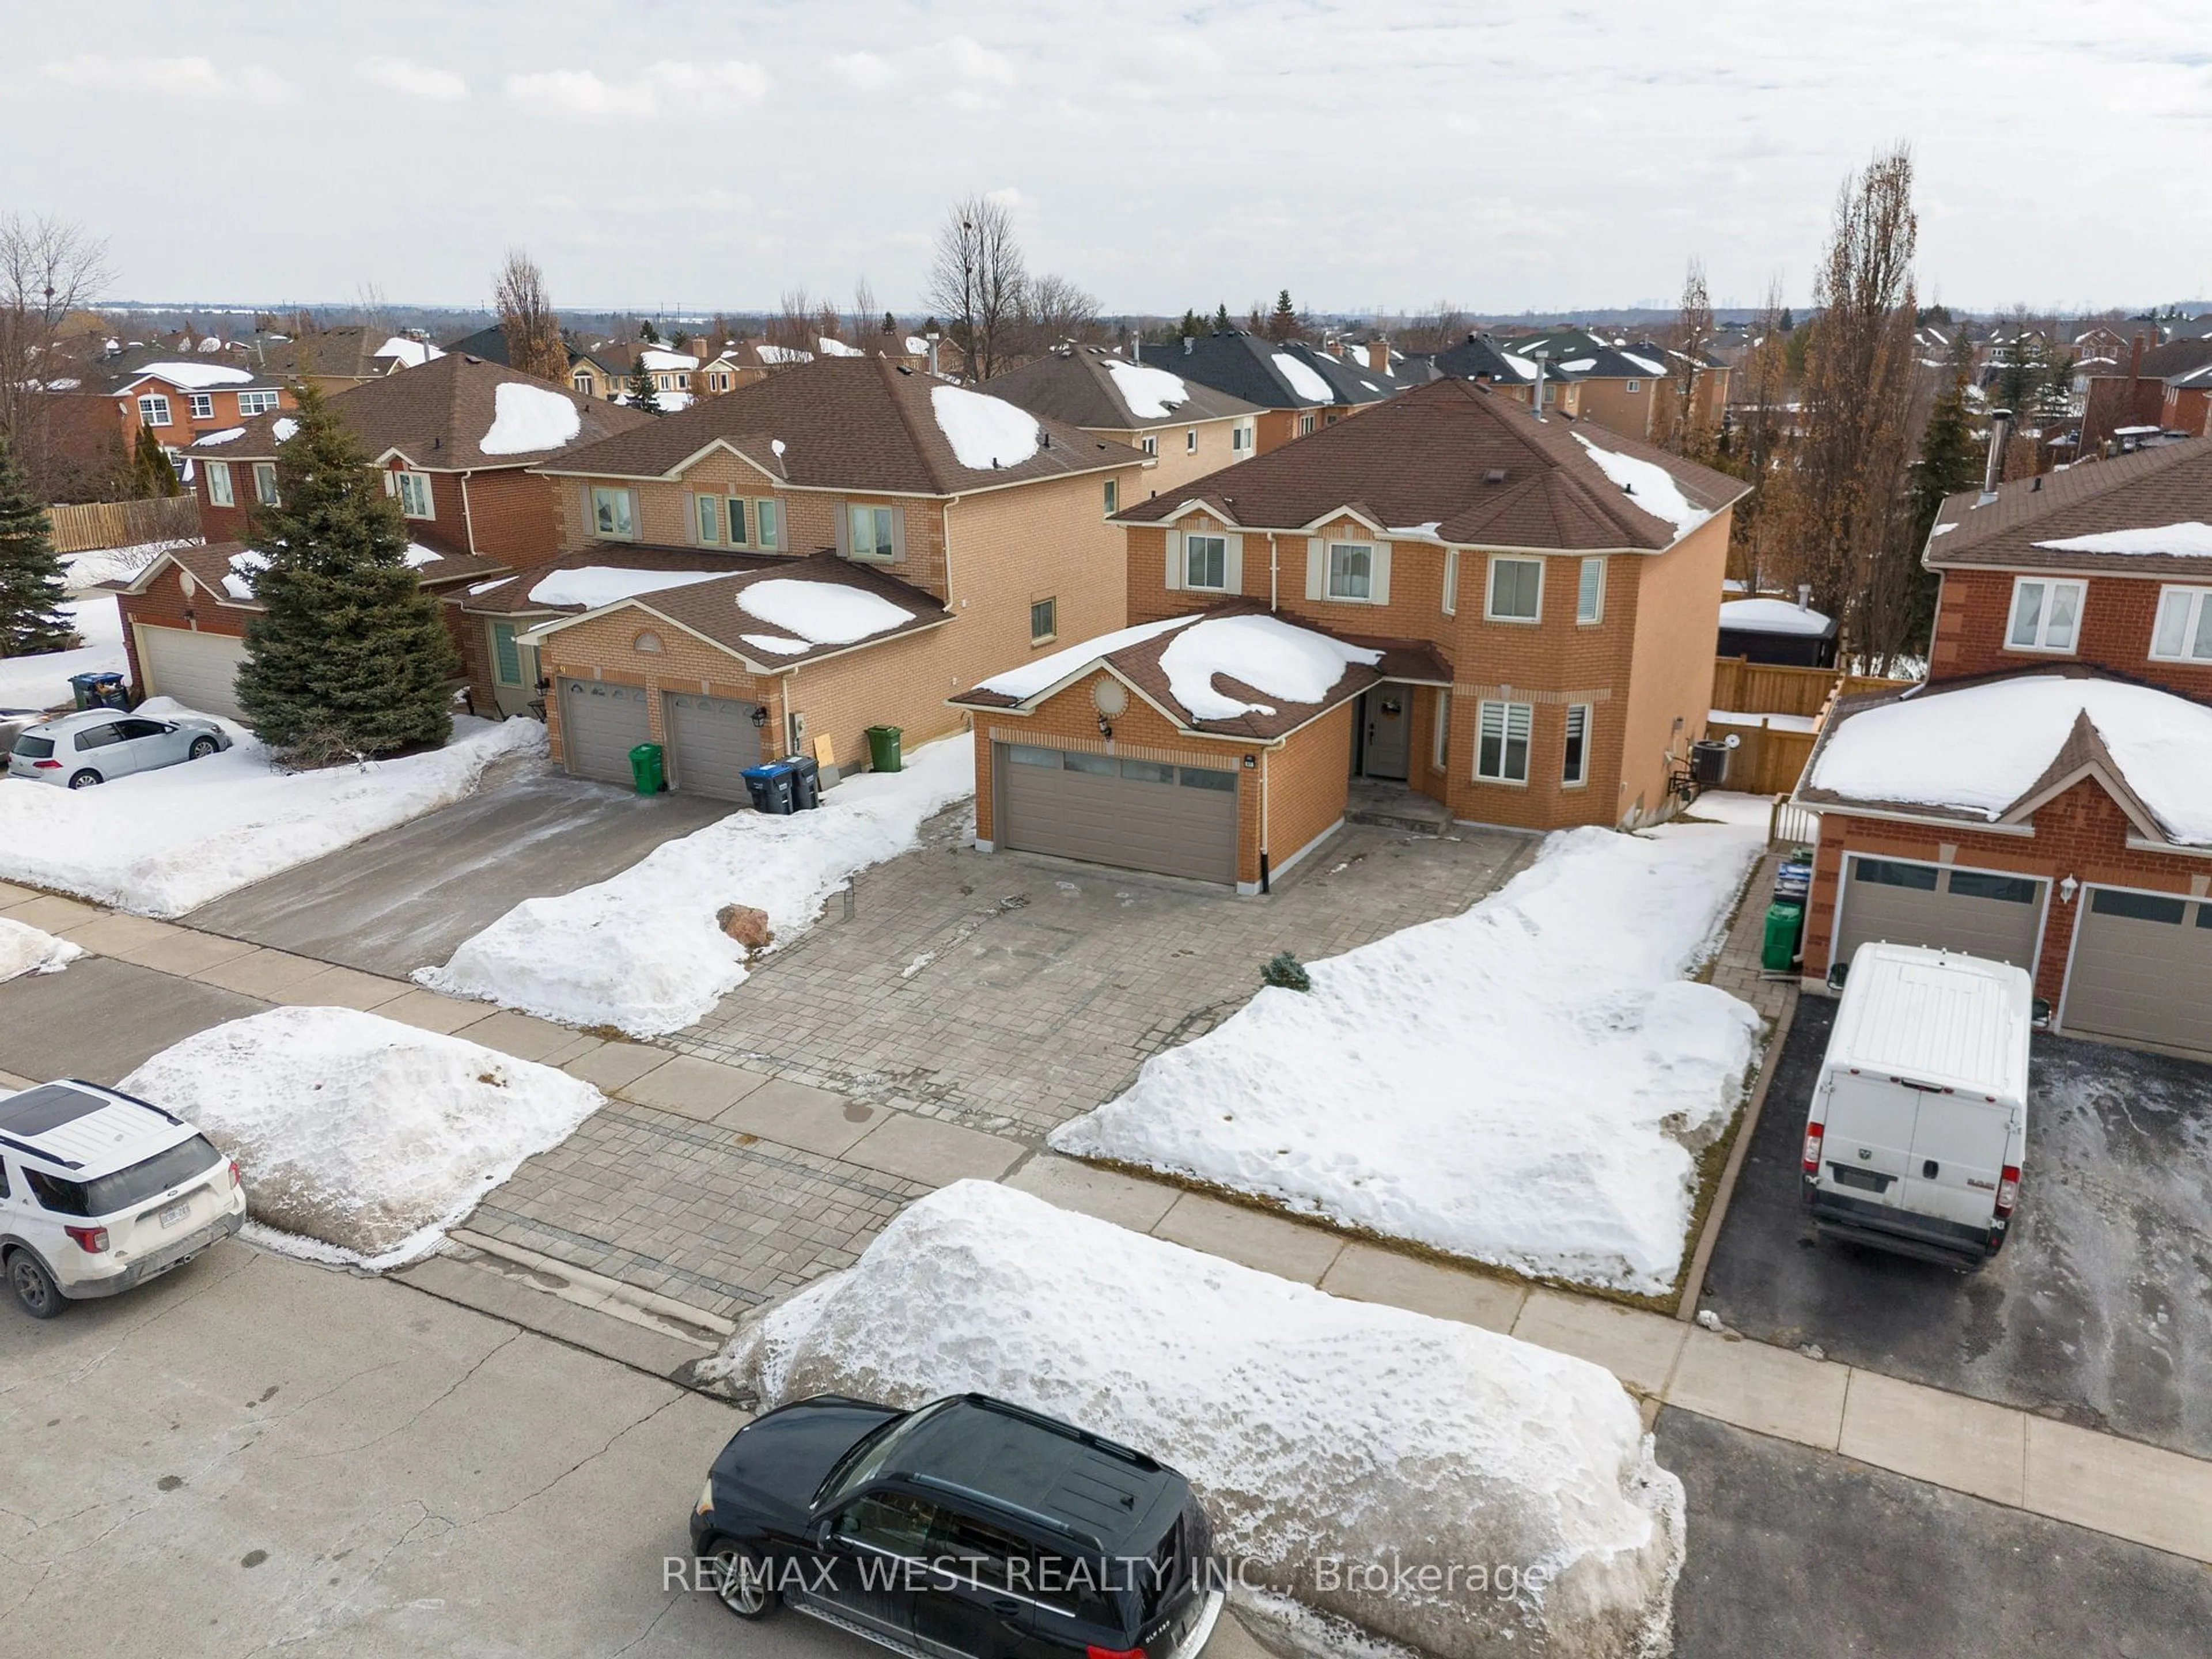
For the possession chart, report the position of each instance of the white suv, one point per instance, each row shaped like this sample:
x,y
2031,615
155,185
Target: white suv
x,y
100,1191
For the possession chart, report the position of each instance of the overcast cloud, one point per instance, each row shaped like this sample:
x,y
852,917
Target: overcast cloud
x,y
1381,154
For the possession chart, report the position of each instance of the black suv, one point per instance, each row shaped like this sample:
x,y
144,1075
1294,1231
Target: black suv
x,y
966,1529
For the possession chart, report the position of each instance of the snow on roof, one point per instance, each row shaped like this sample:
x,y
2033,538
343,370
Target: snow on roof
x,y
194,375
245,565
820,613
829,348
1982,748
527,418
413,354
1274,658
2190,539
776,645
282,428
210,344
1645,363
1521,366
1305,381
2135,431
776,354
1043,673
208,440
916,346
1152,394
417,556
650,358
1770,616
1650,485
591,586
1578,365
985,432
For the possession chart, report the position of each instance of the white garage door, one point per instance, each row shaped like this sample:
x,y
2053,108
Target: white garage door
x,y
1140,815
198,670
1979,913
600,724
2142,969
711,741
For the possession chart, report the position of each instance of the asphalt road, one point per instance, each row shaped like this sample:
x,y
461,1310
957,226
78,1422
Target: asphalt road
x,y
99,1019
1795,1553
2099,1308
404,899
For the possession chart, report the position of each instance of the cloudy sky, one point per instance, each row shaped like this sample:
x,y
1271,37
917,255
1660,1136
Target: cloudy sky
x,y
674,154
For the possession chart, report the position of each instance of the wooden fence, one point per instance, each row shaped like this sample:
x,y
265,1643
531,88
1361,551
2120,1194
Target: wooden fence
x,y
1778,715
123,523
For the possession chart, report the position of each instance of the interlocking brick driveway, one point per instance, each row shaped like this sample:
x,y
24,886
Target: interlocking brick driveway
x,y
1011,993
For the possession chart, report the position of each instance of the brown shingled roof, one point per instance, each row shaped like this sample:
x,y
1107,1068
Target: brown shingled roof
x,y
510,596
2169,484
210,563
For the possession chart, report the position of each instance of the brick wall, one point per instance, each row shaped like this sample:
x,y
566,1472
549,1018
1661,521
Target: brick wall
x,y
1677,630
2117,614
1614,407
225,523
163,605
1011,548
447,529
1178,463
512,511
1305,784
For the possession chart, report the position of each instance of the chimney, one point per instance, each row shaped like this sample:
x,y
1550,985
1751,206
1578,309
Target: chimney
x,y
1378,355
931,338
2134,368
1136,348
1536,392
1993,474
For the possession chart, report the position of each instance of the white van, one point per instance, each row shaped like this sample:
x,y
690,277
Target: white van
x,y
1919,1122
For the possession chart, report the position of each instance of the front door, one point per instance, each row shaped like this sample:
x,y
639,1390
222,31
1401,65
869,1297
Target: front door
x,y
1387,712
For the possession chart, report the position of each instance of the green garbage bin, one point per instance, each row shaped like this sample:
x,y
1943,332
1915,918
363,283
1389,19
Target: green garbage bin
x,y
884,748
648,769
1783,924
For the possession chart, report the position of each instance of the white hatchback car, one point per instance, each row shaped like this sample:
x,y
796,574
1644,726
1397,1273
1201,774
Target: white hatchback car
x,y
100,1191
96,744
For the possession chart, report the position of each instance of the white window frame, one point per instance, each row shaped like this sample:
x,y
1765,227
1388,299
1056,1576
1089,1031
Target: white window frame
x,y
2047,589
768,524
881,549
1512,723
264,484
1490,611
2194,606
620,505
1241,437
1592,612
1366,576
707,513
152,408
1190,569
1112,496
1574,770
203,405
415,498
1305,425
1190,440
220,493
580,384
1635,385
1451,581
1150,443
263,403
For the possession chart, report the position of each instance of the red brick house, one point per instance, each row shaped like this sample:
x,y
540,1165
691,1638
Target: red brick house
x,y
184,401
2044,798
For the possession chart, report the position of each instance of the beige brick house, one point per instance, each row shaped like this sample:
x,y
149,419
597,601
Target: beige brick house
x,y
1188,428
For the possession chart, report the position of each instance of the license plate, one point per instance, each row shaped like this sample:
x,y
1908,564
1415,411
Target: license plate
x,y
176,1212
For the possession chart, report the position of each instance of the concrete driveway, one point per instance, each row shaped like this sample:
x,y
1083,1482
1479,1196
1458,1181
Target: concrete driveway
x,y
2098,1310
100,1019
404,899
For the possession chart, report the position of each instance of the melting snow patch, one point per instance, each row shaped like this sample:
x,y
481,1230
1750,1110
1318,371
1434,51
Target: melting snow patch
x,y
831,347
594,585
1304,379
527,418
1650,485
228,434
197,375
2190,539
985,432
245,565
821,613
776,645
362,1139
25,950
1152,394
1044,672
1313,1428
1274,658
282,428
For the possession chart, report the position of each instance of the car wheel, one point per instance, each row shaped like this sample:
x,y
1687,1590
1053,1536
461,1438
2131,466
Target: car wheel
x,y
741,1579
35,1286
84,779
202,748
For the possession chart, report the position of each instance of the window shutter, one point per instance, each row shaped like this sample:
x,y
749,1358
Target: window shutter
x,y
898,535
844,511
1378,586
1175,559
1232,563
1316,568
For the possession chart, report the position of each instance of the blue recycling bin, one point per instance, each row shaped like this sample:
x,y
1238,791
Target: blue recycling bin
x,y
103,690
769,786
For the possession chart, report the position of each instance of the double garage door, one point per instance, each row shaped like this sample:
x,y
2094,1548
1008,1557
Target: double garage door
x,y
1134,814
200,670
710,740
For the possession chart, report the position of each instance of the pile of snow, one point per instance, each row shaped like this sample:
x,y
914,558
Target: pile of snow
x,y
25,950
641,950
1522,1084
2191,540
1303,378
984,431
591,586
818,613
1152,394
527,418
361,1140
1274,658
1312,1428
1982,748
282,428
1650,485
408,354
1770,615
667,361
831,347
163,842
196,376
42,680
1043,673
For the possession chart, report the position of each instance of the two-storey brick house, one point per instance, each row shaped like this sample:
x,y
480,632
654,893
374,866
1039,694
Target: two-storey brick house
x,y
1187,427
181,403
2046,799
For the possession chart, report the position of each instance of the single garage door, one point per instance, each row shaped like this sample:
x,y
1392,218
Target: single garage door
x,y
2142,969
600,724
198,670
1140,815
1976,912
711,741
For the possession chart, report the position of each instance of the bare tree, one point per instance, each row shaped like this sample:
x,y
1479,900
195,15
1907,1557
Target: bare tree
x,y
1439,329
1760,448
1055,309
793,327
977,280
369,300
526,318
1682,420
48,269
866,321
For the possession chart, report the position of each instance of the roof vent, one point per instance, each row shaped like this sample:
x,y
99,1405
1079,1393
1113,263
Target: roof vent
x,y
1495,476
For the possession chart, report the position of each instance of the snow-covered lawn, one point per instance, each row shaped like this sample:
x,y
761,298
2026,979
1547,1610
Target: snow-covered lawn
x,y
362,1139
642,950
42,680
113,564
1313,1428
25,950
1514,1085
163,842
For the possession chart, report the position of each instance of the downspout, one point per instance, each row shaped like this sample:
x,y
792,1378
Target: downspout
x,y
1265,839
468,523
1275,574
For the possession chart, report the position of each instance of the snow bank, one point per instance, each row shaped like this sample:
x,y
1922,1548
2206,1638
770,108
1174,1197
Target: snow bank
x,y
1274,658
593,585
1770,616
1313,1429
642,952
2190,540
1152,394
42,680
161,843
362,1139
1303,379
984,431
1042,673
1650,485
25,950
821,613
529,417
1514,1084
1981,749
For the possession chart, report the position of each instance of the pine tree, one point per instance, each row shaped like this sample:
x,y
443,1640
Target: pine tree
x,y
151,472
643,394
648,333
31,588
1950,461
1283,325
1221,323
349,655
1190,327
